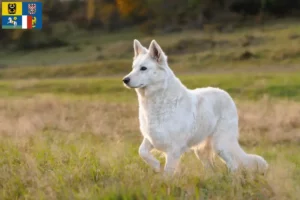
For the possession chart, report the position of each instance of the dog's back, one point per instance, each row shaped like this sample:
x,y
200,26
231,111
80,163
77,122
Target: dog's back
x,y
218,100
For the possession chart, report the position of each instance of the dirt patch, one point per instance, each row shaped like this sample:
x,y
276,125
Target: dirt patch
x,y
291,53
250,40
118,50
294,36
246,55
74,48
196,45
2,66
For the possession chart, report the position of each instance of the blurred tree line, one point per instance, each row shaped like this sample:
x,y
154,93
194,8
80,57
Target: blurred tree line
x,y
63,17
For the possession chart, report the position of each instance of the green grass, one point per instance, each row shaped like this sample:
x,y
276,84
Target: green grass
x,y
273,47
54,165
81,166
241,86
108,68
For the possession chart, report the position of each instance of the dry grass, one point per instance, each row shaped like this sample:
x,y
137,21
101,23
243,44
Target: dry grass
x,y
71,149
272,120
34,115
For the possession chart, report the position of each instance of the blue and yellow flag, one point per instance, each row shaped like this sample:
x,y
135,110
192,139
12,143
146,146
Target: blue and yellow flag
x,y
21,15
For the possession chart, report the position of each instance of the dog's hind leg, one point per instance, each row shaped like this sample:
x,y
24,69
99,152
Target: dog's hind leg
x,y
225,142
144,152
205,153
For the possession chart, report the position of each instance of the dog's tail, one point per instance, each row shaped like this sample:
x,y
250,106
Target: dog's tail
x,y
251,162
206,153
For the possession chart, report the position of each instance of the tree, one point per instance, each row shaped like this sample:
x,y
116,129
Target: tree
x,y
90,10
133,9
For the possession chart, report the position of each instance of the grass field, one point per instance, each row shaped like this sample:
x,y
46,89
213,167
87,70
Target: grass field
x,y
69,129
272,47
78,139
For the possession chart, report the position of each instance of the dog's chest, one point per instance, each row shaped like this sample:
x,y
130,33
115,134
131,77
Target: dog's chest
x,y
155,115
155,127
160,122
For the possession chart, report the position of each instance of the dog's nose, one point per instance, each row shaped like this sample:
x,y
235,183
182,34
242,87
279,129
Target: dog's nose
x,y
126,80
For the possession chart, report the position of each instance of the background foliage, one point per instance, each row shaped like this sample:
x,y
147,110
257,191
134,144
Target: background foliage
x,y
63,17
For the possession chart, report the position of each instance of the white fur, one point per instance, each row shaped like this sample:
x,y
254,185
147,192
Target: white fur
x,y
174,119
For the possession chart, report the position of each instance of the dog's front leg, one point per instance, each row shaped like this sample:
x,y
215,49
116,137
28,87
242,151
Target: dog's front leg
x,y
144,152
172,161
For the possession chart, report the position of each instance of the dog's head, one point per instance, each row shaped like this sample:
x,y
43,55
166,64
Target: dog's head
x,y
149,66
12,8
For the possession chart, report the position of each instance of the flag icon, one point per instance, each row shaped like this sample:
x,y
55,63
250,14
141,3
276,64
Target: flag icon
x,y
21,15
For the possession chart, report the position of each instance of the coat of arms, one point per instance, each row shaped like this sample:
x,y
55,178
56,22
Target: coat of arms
x,y
12,8
32,8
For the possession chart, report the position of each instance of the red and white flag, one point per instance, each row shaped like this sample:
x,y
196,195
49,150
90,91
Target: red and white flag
x,y
26,22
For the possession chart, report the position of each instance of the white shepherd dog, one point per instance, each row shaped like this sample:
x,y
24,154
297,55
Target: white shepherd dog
x,y
174,119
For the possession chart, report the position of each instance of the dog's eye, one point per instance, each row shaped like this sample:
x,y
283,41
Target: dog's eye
x,y
143,68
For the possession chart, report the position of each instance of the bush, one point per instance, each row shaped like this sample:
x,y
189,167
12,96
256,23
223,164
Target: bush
x,y
31,40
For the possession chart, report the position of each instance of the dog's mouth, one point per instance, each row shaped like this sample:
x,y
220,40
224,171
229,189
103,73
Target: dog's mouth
x,y
140,86
134,87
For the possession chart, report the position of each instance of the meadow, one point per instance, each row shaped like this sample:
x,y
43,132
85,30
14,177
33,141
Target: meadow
x,y
69,130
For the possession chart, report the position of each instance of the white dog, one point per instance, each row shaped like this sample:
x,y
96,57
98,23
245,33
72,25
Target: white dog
x,y
174,119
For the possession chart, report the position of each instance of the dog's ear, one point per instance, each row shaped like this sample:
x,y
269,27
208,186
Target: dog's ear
x,y
156,52
138,48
